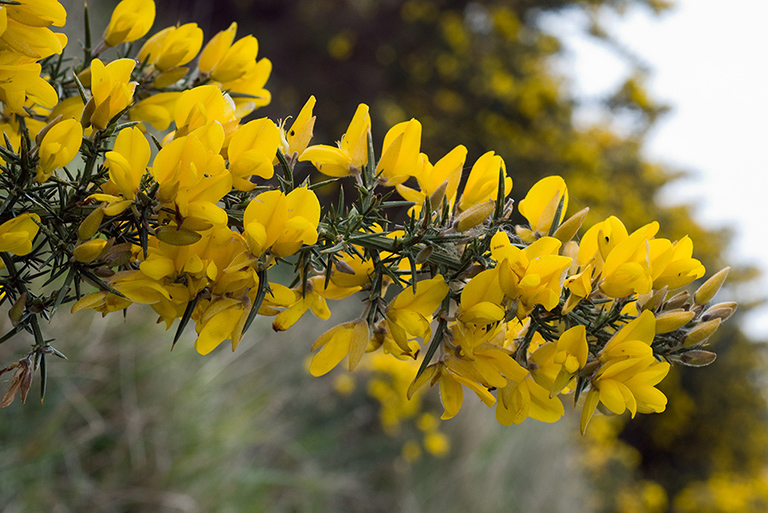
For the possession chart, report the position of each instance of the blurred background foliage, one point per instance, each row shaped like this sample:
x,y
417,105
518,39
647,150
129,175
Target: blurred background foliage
x,y
129,426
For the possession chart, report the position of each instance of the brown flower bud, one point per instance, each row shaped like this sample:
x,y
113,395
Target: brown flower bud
x,y
653,299
436,198
423,255
720,311
343,267
679,300
696,358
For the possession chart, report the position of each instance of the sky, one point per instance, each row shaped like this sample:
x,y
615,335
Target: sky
x,y
708,62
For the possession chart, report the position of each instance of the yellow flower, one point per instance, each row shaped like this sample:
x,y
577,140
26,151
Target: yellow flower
x,y
557,363
620,258
250,90
445,175
134,285
481,300
400,158
58,147
32,41
225,61
281,223
89,251
483,181
350,338
16,234
410,312
451,375
221,319
251,151
580,286
127,163
314,298
157,110
301,222
540,206
352,153
533,275
20,80
522,397
192,177
37,13
235,68
672,263
71,107
172,46
112,91
294,141
628,373
202,105
130,21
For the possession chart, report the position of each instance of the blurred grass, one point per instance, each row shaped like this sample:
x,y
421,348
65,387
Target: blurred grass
x,y
128,425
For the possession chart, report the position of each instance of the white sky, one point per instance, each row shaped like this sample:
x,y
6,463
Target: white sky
x,y
708,60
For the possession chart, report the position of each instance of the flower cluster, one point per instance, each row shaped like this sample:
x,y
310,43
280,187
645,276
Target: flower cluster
x,y
459,289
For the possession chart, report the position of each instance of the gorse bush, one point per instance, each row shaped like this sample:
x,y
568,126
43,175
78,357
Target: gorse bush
x,y
136,180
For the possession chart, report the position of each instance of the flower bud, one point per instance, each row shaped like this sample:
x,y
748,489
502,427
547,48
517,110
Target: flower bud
x,y
474,215
117,255
90,224
508,208
677,301
436,198
589,368
423,255
707,291
672,320
17,310
471,271
653,299
89,251
699,334
170,77
720,311
343,267
88,109
85,77
41,134
177,236
103,272
696,358
566,231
